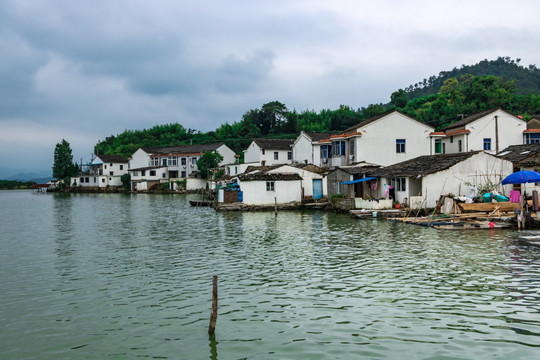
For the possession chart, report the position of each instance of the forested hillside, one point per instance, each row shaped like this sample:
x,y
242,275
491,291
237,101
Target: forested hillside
x,y
443,100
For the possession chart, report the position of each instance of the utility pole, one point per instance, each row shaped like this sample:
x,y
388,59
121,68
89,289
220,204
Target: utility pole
x,y
496,134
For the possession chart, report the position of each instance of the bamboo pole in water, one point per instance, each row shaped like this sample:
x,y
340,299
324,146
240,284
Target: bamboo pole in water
x,y
213,314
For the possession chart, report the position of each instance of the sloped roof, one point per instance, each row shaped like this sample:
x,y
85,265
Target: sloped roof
x,y
359,170
470,119
423,165
534,123
519,153
113,158
377,117
261,176
274,144
316,136
182,149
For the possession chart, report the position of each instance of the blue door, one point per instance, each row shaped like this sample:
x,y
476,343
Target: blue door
x,y
317,189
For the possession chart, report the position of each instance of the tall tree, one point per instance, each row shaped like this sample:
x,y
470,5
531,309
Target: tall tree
x,y
63,166
208,164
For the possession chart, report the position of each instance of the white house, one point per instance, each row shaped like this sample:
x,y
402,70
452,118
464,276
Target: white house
x,y
266,189
313,183
385,139
149,166
312,148
102,172
490,130
421,181
269,152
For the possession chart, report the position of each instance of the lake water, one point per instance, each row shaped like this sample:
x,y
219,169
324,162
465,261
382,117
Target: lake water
x,y
115,276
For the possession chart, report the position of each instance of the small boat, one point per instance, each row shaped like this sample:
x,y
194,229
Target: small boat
x,y
200,203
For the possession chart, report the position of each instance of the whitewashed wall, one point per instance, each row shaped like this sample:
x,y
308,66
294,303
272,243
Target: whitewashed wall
x,y
378,142
510,131
139,159
255,193
305,151
228,155
307,178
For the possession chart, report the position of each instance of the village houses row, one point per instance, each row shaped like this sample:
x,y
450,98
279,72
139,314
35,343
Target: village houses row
x,y
389,157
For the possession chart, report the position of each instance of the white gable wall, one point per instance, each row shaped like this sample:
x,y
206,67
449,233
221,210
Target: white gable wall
x,y
228,155
510,129
305,151
377,144
139,159
253,153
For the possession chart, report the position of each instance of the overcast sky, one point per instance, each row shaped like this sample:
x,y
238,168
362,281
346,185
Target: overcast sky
x,y
85,70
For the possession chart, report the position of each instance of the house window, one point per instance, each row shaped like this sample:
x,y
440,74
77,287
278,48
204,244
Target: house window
x,y
269,186
111,173
444,148
451,139
533,138
87,179
135,173
263,152
184,162
438,146
81,180
173,160
103,180
183,174
400,145
351,147
276,155
338,148
95,180
460,146
193,161
143,172
154,161
163,175
399,184
105,166
487,144
121,167
152,172
289,155
164,161
326,151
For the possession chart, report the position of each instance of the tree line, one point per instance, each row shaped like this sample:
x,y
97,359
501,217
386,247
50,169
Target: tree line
x,y
456,98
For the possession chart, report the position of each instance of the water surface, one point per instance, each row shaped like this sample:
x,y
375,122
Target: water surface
x,y
126,276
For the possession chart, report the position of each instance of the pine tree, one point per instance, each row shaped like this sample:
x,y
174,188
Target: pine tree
x,y
63,166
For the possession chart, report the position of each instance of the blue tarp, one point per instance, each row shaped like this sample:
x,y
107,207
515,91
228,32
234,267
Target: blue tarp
x,y
358,181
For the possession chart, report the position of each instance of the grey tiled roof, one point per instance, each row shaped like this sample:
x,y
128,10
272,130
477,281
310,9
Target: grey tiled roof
x,y
423,165
274,144
520,153
182,149
269,177
113,159
316,136
469,119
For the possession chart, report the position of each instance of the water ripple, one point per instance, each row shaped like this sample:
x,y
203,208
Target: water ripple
x,y
130,276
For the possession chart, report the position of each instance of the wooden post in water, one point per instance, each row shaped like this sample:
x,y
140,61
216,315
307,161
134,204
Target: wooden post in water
x,y
275,205
213,314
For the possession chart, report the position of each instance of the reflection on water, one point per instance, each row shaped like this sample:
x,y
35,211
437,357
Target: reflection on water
x,y
125,276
